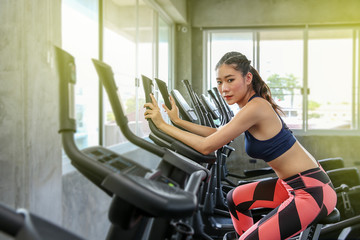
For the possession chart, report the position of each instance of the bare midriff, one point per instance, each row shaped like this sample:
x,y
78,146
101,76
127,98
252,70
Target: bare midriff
x,y
293,161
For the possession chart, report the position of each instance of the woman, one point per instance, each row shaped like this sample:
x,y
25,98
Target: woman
x,y
301,194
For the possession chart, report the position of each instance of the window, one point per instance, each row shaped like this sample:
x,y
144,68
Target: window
x,y
145,61
133,34
312,72
220,43
330,79
80,38
163,60
281,67
120,52
164,57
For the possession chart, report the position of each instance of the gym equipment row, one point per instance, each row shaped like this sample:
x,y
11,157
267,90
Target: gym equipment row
x,y
334,166
180,199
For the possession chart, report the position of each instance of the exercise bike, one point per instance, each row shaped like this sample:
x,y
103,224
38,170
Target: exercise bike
x,y
146,203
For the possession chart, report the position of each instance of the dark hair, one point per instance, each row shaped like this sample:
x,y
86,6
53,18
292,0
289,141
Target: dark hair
x,y
242,64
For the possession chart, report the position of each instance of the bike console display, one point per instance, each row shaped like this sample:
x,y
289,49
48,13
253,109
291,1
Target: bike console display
x,y
115,162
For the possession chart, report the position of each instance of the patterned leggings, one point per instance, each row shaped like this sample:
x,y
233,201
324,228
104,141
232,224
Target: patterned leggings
x,y
297,201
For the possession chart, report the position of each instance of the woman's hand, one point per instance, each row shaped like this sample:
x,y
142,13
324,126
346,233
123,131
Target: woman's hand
x,y
174,112
153,112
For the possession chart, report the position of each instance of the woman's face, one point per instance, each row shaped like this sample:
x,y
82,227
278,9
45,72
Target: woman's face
x,y
232,85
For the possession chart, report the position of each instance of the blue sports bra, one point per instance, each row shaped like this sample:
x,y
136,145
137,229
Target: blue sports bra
x,y
272,148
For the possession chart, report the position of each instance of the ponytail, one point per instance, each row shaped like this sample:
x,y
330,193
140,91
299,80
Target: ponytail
x,y
263,90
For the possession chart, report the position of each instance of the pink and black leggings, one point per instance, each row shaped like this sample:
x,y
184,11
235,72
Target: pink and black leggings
x,y
298,201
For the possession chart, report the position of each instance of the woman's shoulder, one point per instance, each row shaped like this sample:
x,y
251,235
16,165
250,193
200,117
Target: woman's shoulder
x,y
260,108
259,103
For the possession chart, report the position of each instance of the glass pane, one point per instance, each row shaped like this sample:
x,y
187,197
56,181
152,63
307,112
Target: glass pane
x,y
120,53
163,60
145,60
281,67
164,51
80,38
128,40
330,79
221,43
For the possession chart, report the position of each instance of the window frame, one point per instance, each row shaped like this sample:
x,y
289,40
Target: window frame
x,y
158,13
355,100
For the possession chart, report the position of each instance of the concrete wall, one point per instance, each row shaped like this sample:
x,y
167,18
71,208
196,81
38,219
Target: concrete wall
x,y
333,146
236,13
175,9
30,150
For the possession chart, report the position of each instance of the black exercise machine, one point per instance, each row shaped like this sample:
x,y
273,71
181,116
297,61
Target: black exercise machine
x,y
334,165
147,203
20,224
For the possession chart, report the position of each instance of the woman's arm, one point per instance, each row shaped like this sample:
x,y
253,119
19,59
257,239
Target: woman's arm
x,y
191,127
243,120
